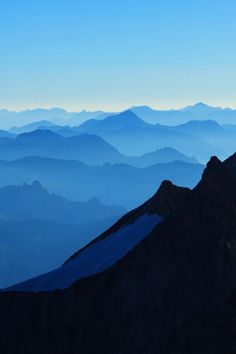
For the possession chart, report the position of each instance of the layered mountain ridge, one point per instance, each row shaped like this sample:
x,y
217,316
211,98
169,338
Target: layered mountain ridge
x,y
111,184
34,202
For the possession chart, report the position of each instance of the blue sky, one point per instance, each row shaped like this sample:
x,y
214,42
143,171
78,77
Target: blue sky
x,y
112,54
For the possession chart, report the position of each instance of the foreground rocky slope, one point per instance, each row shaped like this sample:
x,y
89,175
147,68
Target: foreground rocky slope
x,y
175,292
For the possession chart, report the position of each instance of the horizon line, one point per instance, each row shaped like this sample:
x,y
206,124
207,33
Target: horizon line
x,y
114,110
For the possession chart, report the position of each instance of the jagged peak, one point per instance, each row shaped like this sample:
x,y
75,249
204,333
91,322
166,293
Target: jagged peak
x,y
213,170
167,199
217,178
214,162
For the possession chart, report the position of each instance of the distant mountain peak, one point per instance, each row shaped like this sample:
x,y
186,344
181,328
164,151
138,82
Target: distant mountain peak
x,y
201,105
200,108
142,107
127,113
126,117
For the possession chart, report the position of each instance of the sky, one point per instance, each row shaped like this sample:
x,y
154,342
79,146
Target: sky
x,y
113,54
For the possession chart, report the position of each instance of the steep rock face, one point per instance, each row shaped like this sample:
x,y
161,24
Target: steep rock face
x,y
167,199
164,202
174,293
230,164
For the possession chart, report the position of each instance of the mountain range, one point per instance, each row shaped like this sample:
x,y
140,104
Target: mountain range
x,y
88,148
160,280
80,274
198,111
125,132
112,184
132,136
33,202
10,119
38,230
45,143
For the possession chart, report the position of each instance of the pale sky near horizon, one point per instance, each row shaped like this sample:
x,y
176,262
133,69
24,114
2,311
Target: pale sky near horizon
x,y
112,54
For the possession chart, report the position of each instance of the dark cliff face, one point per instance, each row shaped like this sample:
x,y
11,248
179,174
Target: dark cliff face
x,y
164,203
174,293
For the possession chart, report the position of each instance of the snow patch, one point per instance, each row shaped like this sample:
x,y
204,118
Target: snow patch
x,y
95,258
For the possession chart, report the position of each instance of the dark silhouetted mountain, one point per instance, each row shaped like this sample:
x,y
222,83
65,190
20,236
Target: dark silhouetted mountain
x,y
132,136
164,202
114,243
87,148
230,164
171,291
111,184
30,202
33,247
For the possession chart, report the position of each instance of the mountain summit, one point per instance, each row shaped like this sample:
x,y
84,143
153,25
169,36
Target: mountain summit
x,y
119,121
200,108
